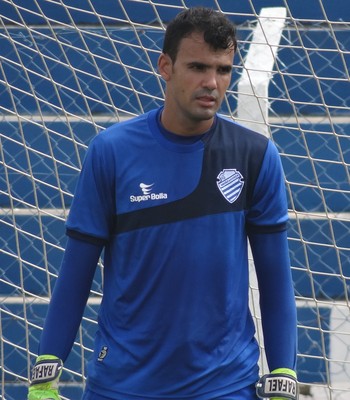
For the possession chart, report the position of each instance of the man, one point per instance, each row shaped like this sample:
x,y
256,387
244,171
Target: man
x,y
173,196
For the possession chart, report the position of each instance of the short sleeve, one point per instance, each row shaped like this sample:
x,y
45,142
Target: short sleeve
x,y
269,210
93,206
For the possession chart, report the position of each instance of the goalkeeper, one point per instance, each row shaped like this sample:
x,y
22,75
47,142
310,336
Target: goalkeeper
x,y
172,198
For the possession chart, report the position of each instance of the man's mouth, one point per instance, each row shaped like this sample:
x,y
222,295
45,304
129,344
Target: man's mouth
x,y
206,101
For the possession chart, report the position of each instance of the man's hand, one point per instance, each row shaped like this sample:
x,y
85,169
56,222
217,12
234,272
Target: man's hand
x,y
281,384
45,375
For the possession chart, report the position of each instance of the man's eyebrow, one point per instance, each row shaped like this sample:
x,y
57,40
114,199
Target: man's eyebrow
x,y
226,67
197,64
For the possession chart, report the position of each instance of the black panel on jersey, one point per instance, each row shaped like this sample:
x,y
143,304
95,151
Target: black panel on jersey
x,y
230,147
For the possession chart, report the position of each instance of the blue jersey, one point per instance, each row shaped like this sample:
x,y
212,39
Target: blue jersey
x,y
174,215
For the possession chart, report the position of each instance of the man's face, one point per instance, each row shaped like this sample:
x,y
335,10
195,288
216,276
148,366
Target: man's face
x,y
196,84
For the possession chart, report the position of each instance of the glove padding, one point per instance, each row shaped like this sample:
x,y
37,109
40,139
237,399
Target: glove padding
x,y
45,375
279,385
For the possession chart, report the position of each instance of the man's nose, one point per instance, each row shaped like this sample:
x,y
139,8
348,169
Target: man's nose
x,y
210,80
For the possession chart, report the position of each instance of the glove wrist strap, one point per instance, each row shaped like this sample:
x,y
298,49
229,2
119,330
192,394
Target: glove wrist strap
x,y
46,371
277,385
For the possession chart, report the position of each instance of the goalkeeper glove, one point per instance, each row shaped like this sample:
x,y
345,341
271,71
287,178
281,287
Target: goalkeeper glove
x,y
45,375
279,385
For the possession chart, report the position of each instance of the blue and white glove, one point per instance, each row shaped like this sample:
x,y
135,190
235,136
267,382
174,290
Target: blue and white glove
x,y
281,384
45,375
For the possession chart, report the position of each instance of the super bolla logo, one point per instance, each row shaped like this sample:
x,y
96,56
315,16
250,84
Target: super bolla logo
x,y
147,194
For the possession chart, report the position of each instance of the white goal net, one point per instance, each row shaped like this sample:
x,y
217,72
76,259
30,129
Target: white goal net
x,y
71,68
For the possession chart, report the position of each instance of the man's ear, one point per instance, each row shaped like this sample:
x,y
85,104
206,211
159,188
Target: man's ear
x,y
165,66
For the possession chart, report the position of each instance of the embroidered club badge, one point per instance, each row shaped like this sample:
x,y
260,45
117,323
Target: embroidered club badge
x,y
230,183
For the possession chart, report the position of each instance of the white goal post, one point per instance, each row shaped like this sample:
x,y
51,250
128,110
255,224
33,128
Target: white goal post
x,y
253,85
71,68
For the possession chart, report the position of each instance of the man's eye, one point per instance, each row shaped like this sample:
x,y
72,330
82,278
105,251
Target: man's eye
x,y
198,67
225,70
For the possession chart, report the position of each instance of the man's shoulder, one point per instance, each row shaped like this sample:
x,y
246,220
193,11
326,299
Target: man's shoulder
x,y
125,127
231,127
236,136
124,134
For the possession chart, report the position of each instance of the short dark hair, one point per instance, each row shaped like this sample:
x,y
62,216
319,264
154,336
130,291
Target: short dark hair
x,y
218,31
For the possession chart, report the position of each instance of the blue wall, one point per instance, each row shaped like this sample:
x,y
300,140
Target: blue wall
x,y
292,141
335,10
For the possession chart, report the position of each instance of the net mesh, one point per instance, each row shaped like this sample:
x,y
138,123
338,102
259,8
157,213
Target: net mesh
x,y
71,68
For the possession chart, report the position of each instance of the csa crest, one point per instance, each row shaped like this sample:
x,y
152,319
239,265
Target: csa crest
x,y
230,183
